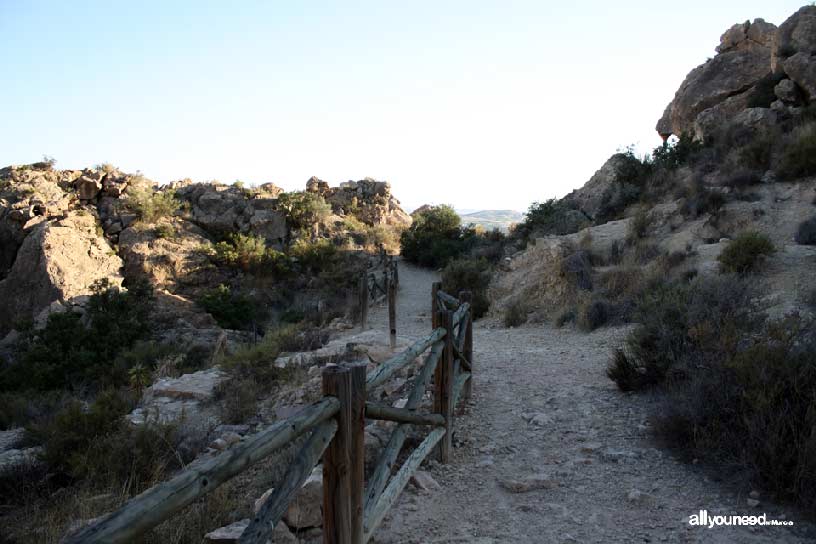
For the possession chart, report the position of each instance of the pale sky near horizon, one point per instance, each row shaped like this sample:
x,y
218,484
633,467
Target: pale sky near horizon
x,y
480,104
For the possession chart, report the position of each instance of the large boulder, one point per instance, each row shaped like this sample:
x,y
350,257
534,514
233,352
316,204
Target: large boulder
x,y
801,69
58,261
605,185
796,35
743,60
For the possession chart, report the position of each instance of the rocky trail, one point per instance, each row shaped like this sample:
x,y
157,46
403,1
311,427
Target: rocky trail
x,y
550,451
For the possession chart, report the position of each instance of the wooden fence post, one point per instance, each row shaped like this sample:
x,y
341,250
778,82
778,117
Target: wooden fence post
x,y
392,314
342,475
358,396
364,301
443,380
395,270
467,349
435,304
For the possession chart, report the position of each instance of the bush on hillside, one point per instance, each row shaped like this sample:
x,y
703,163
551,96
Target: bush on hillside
x,y
249,253
753,409
232,310
304,210
745,253
515,314
799,154
806,232
681,325
673,155
98,445
434,238
472,275
150,205
76,352
550,217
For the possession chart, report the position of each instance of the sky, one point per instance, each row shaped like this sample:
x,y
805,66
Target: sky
x,y
478,104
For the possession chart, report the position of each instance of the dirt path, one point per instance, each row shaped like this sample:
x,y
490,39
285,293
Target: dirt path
x,y
544,416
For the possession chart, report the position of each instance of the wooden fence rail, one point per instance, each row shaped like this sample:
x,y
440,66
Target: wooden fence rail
x,y
352,508
380,282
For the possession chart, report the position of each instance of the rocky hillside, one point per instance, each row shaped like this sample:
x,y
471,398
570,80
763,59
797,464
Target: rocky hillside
x,y
744,162
64,230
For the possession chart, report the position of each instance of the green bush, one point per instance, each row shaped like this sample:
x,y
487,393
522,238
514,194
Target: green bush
x,y
249,253
434,238
472,275
150,205
806,232
76,352
594,313
303,210
745,253
639,226
550,217
799,154
674,155
232,310
314,256
99,446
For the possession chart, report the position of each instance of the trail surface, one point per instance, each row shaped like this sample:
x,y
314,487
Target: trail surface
x,y
550,451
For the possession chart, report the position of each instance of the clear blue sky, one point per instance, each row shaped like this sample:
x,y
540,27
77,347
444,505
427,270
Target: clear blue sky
x,y
479,104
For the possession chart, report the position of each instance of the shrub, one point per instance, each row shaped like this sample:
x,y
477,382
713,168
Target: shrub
x,y
316,257
683,324
151,205
434,238
806,232
550,217
594,313
698,199
799,154
73,351
304,210
472,275
230,309
576,269
98,445
639,225
249,253
745,253
674,155
515,314
754,410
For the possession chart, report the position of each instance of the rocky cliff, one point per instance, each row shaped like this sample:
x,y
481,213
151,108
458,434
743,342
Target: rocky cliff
x,y
757,65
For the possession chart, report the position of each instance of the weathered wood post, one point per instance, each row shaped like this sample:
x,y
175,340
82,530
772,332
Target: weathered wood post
x,y
358,395
467,349
443,380
435,287
395,270
342,471
392,314
364,301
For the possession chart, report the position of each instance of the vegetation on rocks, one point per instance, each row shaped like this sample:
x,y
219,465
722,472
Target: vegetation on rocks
x,y
151,205
746,252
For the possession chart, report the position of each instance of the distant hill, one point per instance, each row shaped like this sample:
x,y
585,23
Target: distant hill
x,y
492,219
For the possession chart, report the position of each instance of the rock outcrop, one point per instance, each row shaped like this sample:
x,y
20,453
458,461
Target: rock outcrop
x,y
608,184
58,261
723,82
757,66
371,201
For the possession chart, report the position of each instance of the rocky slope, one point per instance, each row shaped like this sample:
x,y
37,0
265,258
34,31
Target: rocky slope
x,y
745,118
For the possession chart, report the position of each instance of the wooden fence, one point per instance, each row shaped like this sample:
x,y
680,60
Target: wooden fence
x,y
381,280
352,508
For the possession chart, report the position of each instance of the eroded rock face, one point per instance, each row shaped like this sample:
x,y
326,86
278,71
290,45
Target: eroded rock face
x,y
221,208
57,261
796,35
743,59
801,69
371,201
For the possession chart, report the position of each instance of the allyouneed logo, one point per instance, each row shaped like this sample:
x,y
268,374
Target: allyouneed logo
x,y
704,520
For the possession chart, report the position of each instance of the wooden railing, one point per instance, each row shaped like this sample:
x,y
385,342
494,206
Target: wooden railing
x,y
352,508
380,280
